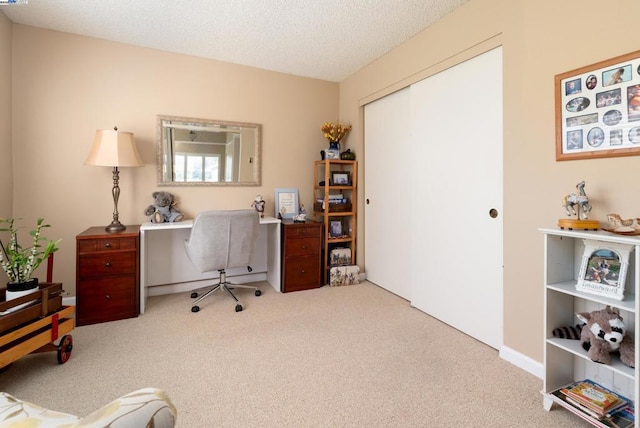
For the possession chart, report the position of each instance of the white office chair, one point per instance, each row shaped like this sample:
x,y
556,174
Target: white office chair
x,y
220,240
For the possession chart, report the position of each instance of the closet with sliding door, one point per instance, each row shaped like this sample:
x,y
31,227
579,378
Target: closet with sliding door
x,y
433,195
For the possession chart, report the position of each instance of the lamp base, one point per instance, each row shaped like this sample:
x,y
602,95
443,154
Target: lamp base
x,y
115,227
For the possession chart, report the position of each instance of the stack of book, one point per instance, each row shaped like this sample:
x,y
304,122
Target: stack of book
x,y
604,407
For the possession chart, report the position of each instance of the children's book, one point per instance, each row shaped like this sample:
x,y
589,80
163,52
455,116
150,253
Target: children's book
x,y
594,396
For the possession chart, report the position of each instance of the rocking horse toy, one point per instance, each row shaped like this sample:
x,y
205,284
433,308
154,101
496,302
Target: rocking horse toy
x,y
577,204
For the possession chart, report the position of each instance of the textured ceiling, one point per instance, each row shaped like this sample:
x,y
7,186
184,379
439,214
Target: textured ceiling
x,y
324,39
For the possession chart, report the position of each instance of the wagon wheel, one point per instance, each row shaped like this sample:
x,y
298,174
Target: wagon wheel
x,y
64,348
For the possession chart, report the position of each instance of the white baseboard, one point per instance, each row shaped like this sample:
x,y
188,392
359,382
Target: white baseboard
x,y
522,361
160,290
69,301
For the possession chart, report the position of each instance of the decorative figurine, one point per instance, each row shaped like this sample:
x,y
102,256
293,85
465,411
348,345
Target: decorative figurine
x,y
302,216
623,226
258,204
577,204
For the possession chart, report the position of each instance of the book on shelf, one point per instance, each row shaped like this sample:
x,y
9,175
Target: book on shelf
x,y
619,414
594,396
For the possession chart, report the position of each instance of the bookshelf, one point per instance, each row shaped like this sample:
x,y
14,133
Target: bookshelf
x,y
564,359
334,193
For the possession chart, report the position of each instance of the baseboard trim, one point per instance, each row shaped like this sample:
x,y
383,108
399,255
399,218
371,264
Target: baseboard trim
x,y
522,361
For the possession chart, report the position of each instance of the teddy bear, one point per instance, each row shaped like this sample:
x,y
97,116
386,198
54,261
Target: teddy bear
x,y
604,332
163,209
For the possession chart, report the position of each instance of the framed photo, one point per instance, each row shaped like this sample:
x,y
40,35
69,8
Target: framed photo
x,y
598,110
286,203
603,269
340,179
335,230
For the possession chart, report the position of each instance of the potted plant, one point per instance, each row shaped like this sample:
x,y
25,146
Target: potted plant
x,y
20,262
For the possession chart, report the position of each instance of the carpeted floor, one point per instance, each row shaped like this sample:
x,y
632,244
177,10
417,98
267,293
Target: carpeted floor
x,y
354,356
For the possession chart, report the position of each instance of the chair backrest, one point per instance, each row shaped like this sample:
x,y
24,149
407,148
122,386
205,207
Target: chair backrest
x,y
222,239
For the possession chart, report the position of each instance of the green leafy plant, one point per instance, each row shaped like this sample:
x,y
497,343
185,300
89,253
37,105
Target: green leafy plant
x,y
20,262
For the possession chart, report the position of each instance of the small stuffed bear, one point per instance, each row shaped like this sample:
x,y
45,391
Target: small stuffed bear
x,y
603,333
163,210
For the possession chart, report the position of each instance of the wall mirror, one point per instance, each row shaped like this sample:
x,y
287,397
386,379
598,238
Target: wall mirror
x,y
204,152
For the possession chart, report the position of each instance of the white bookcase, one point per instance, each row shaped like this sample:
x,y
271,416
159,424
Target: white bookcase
x,y
564,359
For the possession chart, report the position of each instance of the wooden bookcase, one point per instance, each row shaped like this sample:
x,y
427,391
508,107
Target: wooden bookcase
x,y
564,359
333,178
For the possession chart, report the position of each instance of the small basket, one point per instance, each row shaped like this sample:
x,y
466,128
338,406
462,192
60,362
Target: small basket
x,y
333,208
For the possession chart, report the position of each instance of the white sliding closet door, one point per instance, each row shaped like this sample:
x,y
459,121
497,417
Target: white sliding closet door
x,y
456,169
387,192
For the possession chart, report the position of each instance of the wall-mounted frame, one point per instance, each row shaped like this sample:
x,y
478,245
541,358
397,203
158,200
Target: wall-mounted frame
x,y
340,178
604,268
286,203
598,110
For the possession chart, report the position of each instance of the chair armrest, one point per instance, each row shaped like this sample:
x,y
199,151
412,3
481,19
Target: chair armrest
x,y
142,408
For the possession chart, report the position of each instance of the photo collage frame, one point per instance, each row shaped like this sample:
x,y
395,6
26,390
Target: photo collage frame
x,y
598,110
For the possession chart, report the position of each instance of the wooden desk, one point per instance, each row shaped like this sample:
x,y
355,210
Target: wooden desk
x,y
162,247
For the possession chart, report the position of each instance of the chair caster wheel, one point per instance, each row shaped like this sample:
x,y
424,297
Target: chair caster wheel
x,y
195,308
194,295
238,308
258,292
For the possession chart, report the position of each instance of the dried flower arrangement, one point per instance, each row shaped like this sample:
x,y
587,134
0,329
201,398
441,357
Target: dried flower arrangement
x,y
335,132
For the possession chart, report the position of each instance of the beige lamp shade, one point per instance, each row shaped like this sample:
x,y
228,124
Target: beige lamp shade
x,y
113,148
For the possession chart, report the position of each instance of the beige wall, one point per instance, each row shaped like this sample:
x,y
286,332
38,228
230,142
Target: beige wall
x,y
540,38
6,170
66,86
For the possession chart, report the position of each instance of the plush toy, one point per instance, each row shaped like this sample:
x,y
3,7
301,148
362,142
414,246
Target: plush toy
x,y
603,333
163,209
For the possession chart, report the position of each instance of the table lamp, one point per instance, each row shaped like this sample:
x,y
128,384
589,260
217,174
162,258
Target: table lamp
x,y
114,149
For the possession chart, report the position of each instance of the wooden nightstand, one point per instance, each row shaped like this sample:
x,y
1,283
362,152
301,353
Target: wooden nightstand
x,y
301,255
107,275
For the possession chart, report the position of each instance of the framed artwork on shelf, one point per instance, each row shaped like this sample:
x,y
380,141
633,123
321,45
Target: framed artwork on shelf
x,y
286,203
335,230
598,110
603,269
340,179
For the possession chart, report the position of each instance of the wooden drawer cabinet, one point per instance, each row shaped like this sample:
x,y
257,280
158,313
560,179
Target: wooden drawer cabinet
x,y
301,255
107,275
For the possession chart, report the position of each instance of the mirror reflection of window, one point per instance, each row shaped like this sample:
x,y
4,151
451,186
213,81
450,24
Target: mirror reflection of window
x,y
193,168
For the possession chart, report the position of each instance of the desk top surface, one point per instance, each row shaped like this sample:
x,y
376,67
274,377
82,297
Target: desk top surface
x,y
188,224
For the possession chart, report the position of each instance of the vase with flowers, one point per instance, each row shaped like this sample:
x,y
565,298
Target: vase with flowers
x,y
334,132
20,263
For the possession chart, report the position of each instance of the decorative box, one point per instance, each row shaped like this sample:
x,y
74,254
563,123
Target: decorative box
x,y
344,275
340,257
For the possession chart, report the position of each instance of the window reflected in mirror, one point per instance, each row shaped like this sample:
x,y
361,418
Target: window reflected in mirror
x,y
206,152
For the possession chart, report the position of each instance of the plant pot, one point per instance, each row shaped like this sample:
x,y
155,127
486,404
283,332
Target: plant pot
x,y
19,289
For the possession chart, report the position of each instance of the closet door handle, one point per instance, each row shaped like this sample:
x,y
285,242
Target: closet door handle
x,y
493,213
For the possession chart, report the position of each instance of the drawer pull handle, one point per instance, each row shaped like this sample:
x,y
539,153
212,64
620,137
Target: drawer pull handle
x,y
108,245
302,271
108,297
304,247
107,264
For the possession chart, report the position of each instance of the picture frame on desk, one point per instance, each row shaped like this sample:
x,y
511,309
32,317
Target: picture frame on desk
x,y
286,203
603,269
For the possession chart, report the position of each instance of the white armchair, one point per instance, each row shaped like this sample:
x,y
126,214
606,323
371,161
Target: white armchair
x,y
147,407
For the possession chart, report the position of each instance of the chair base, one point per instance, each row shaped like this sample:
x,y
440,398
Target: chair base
x,y
224,285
